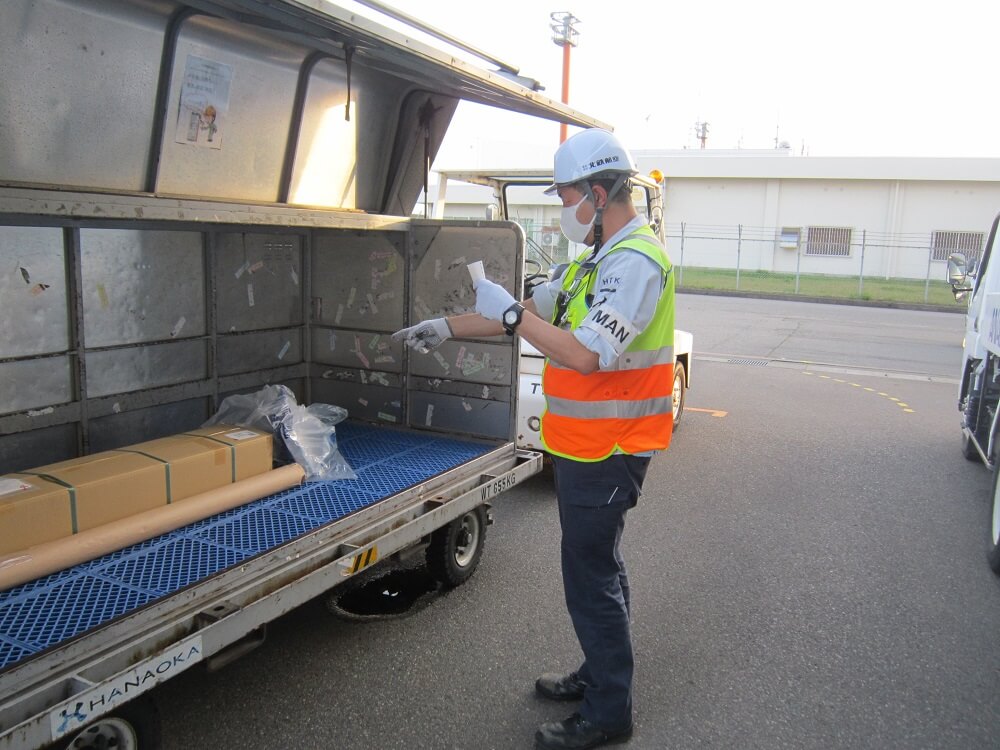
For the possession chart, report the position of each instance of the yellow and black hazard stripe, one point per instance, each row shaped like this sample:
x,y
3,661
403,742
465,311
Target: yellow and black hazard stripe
x,y
364,559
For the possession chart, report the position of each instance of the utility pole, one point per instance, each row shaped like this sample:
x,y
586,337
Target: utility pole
x,y
565,35
701,132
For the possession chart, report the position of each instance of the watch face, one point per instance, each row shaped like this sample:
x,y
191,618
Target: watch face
x,y
510,317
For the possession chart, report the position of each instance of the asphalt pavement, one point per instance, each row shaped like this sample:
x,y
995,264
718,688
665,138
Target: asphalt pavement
x,y
807,561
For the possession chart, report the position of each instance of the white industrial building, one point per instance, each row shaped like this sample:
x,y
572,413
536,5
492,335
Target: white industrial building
x,y
771,211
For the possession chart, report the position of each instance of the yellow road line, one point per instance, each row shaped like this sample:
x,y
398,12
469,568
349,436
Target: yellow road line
x,y
904,406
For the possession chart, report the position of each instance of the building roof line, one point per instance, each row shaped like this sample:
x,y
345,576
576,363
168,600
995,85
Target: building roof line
x,y
756,165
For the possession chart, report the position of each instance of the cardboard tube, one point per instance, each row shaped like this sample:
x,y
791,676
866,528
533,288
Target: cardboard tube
x,y
50,557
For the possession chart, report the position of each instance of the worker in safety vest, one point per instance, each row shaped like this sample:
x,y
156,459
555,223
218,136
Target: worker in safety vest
x,y
606,327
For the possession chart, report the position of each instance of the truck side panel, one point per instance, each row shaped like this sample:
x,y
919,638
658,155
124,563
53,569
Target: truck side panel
x,y
159,324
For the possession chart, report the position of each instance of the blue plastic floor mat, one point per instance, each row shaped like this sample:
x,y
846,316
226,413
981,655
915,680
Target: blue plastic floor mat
x,y
41,614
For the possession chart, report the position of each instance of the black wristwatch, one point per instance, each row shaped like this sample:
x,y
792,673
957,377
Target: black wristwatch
x,y
512,318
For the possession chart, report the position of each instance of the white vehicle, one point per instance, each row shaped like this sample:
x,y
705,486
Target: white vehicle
x,y
540,264
198,198
979,392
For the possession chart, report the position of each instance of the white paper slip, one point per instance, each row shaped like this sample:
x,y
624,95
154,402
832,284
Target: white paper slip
x,y
476,271
8,486
241,435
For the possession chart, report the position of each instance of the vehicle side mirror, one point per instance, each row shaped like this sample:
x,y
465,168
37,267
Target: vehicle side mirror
x,y
957,269
959,272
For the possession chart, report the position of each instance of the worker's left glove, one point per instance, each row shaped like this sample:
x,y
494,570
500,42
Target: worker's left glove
x,y
426,335
492,299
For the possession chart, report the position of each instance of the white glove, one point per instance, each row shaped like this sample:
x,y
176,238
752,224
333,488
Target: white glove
x,y
425,336
492,300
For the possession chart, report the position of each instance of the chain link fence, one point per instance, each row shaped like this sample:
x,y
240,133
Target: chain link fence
x,y
832,262
835,262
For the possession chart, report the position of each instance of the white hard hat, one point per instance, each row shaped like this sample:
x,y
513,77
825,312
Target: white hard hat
x,y
588,154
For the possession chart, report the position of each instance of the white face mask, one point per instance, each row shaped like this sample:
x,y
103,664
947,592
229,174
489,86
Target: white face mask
x,y
573,228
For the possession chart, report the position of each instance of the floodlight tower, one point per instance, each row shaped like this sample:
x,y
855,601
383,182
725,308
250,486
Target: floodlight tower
x,y
565,35
701,132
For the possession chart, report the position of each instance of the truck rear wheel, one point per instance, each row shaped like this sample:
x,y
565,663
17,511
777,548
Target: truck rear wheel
x,y
455,549
994,551
134,726
969,449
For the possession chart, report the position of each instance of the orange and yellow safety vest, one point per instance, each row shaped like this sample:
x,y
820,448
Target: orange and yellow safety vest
x,y
627,408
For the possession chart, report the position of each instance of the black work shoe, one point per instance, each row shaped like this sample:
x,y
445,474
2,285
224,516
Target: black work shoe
x,y
578,734
557,687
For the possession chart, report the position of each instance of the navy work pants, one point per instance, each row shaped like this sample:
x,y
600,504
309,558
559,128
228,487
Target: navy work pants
x,y
594,498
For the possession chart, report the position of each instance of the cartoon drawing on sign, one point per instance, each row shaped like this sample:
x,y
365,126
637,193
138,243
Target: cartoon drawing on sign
x,y
208,122
204,103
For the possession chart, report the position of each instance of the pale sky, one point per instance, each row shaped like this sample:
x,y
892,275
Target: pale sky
x,y
845,78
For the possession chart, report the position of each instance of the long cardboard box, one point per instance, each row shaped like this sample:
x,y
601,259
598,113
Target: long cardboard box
x,y
198,463
58,500
250,448
107,486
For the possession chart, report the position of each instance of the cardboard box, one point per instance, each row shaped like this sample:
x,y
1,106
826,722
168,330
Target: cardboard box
x,y
250,448
193,464
61,499
32,511
107,486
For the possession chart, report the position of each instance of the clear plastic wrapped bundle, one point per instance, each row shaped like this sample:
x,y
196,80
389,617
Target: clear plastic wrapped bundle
x,y
304,434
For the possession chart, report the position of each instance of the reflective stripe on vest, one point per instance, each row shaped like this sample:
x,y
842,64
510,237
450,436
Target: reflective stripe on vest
x,y
627,408
609,409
